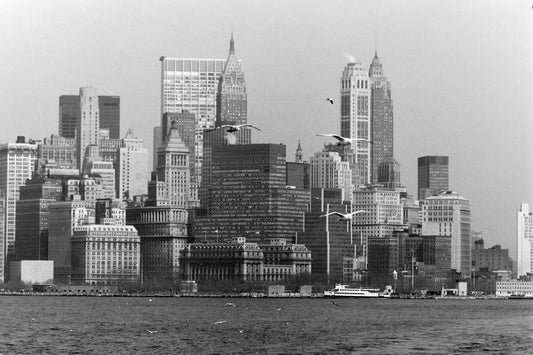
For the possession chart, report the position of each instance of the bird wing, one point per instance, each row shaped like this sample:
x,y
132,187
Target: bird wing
x,y
335,213
336,136
249,125
356,212
227,125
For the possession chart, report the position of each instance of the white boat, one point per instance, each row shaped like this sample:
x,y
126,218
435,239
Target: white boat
x,y
347,291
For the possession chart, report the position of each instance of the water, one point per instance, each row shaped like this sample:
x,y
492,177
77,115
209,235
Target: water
x,y
101,325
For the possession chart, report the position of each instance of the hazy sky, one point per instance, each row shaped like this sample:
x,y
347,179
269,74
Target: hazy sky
x,y
461,75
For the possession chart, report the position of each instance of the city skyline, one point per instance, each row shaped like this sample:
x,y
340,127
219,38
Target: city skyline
x,y
443,61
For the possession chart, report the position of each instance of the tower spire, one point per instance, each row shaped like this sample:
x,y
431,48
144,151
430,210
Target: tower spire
x,y
231,45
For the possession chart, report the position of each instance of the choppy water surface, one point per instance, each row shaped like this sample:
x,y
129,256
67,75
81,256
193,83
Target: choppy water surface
x,y
101,325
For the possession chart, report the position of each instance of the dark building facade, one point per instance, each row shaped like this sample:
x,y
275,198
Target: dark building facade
x,y
381,113
248,194
298,175
32,218
490,259
424,258
329,239
69,114
232,105
433,174
389,173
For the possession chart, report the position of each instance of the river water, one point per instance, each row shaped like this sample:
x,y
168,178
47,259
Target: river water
x,y
139,325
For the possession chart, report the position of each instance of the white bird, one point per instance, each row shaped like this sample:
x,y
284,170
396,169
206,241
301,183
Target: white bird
x,y
343,140
344,216
151,331
229,304
220,322
234,128
330,100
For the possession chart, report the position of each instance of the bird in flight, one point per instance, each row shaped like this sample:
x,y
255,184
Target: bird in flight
x,y
344,216
335,303
343,140
330,100
220,322
234,128
151,331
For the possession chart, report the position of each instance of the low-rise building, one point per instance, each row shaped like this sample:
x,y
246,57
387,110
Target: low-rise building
x,y
514,287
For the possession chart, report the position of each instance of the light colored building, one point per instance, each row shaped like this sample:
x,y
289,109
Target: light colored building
x,y
132,167
105,254
60,150
88,124
32,271
17,163
173,169
449,214
524,241
106,171
514,287
383,215
355,119
329,171
191,84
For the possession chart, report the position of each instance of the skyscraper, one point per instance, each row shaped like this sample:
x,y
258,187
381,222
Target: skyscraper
x,y
173,169
231,95
131,167
329,171
191,84
17,163
432,175
381,116
249,196
524,241
88,125
449,214
389,173
69,114
355,119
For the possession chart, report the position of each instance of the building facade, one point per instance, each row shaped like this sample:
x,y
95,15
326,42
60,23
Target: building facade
x,y
388,173
105,255
433,174
248,194
17,163
381,115
490,259
60,150
524,240
131,168
329,171
356,119
232,104
449,214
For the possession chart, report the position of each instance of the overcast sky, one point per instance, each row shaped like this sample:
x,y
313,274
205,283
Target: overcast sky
x,y
461,75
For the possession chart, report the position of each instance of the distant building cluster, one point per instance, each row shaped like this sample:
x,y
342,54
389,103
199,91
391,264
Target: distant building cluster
x,y
82,207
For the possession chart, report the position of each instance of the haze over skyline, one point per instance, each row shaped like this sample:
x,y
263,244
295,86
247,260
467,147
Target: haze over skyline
x,y
461,77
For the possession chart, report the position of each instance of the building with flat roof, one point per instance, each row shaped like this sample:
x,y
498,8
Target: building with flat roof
x,y
327,170
248,194
17,163
449,214
433,174
524,240
490,259
131,168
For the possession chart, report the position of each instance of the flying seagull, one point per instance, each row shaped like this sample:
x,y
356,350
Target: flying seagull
x,y
344,216
343,140
151,331
330,100
220,322
234,128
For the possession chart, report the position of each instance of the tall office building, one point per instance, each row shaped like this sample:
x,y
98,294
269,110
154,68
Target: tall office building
x,y
524,241
17,163
212,140
383,215
191,84
185,123
32,218
131,168
173,168
356,119
432,175
449,214
231,94
381,116
329,171
389,173
69,114
249,196
88,125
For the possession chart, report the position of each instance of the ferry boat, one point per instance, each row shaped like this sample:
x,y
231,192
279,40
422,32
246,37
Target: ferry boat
x,y
347,291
